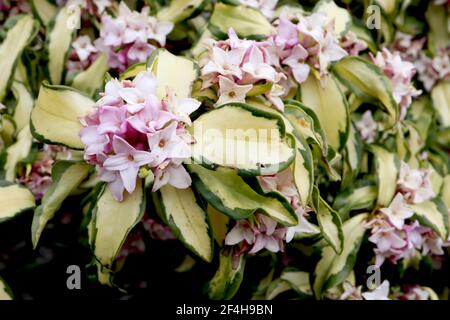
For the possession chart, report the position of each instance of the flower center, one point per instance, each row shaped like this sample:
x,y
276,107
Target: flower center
x,y
130,157
232,94
162,143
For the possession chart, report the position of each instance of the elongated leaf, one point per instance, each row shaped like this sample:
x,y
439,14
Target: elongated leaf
x,y
303,169
91,80
187,220
439,33
44,10
246,22
21,30
165,65
25,103
219,224
14,199
66,176
445,192
332,268
58,43
56,116
228,193
227,279
298,280
250,140
306,125
433,214
441,101
330,106
113,220
352,155
355,198
18,152
133,71
329,222
368,83
179,10
387,168
5,292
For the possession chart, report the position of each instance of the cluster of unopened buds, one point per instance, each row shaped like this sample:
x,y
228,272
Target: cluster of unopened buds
x,y
394,236
132,131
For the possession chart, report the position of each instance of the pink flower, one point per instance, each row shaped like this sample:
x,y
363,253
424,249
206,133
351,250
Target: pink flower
x,y
387,239
400,72
330,50
136,94
367,127
126,37
180,108
352,44
297,61
261,233
131,129
172,173
287,34
311,29
229,91
256,67
166,144
415,184
140,51
158,30
398,211
224,63
83,47
127,161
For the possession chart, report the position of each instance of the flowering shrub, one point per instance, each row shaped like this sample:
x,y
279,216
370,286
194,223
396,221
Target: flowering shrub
x,y
290,149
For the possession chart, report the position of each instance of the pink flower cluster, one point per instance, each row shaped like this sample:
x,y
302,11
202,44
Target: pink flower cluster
x,y
38,177
235,65
255,234
400,72
83,54
367,127
126,37
132,131
308,44
395,238
283,183
261,232
430,70
352,44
